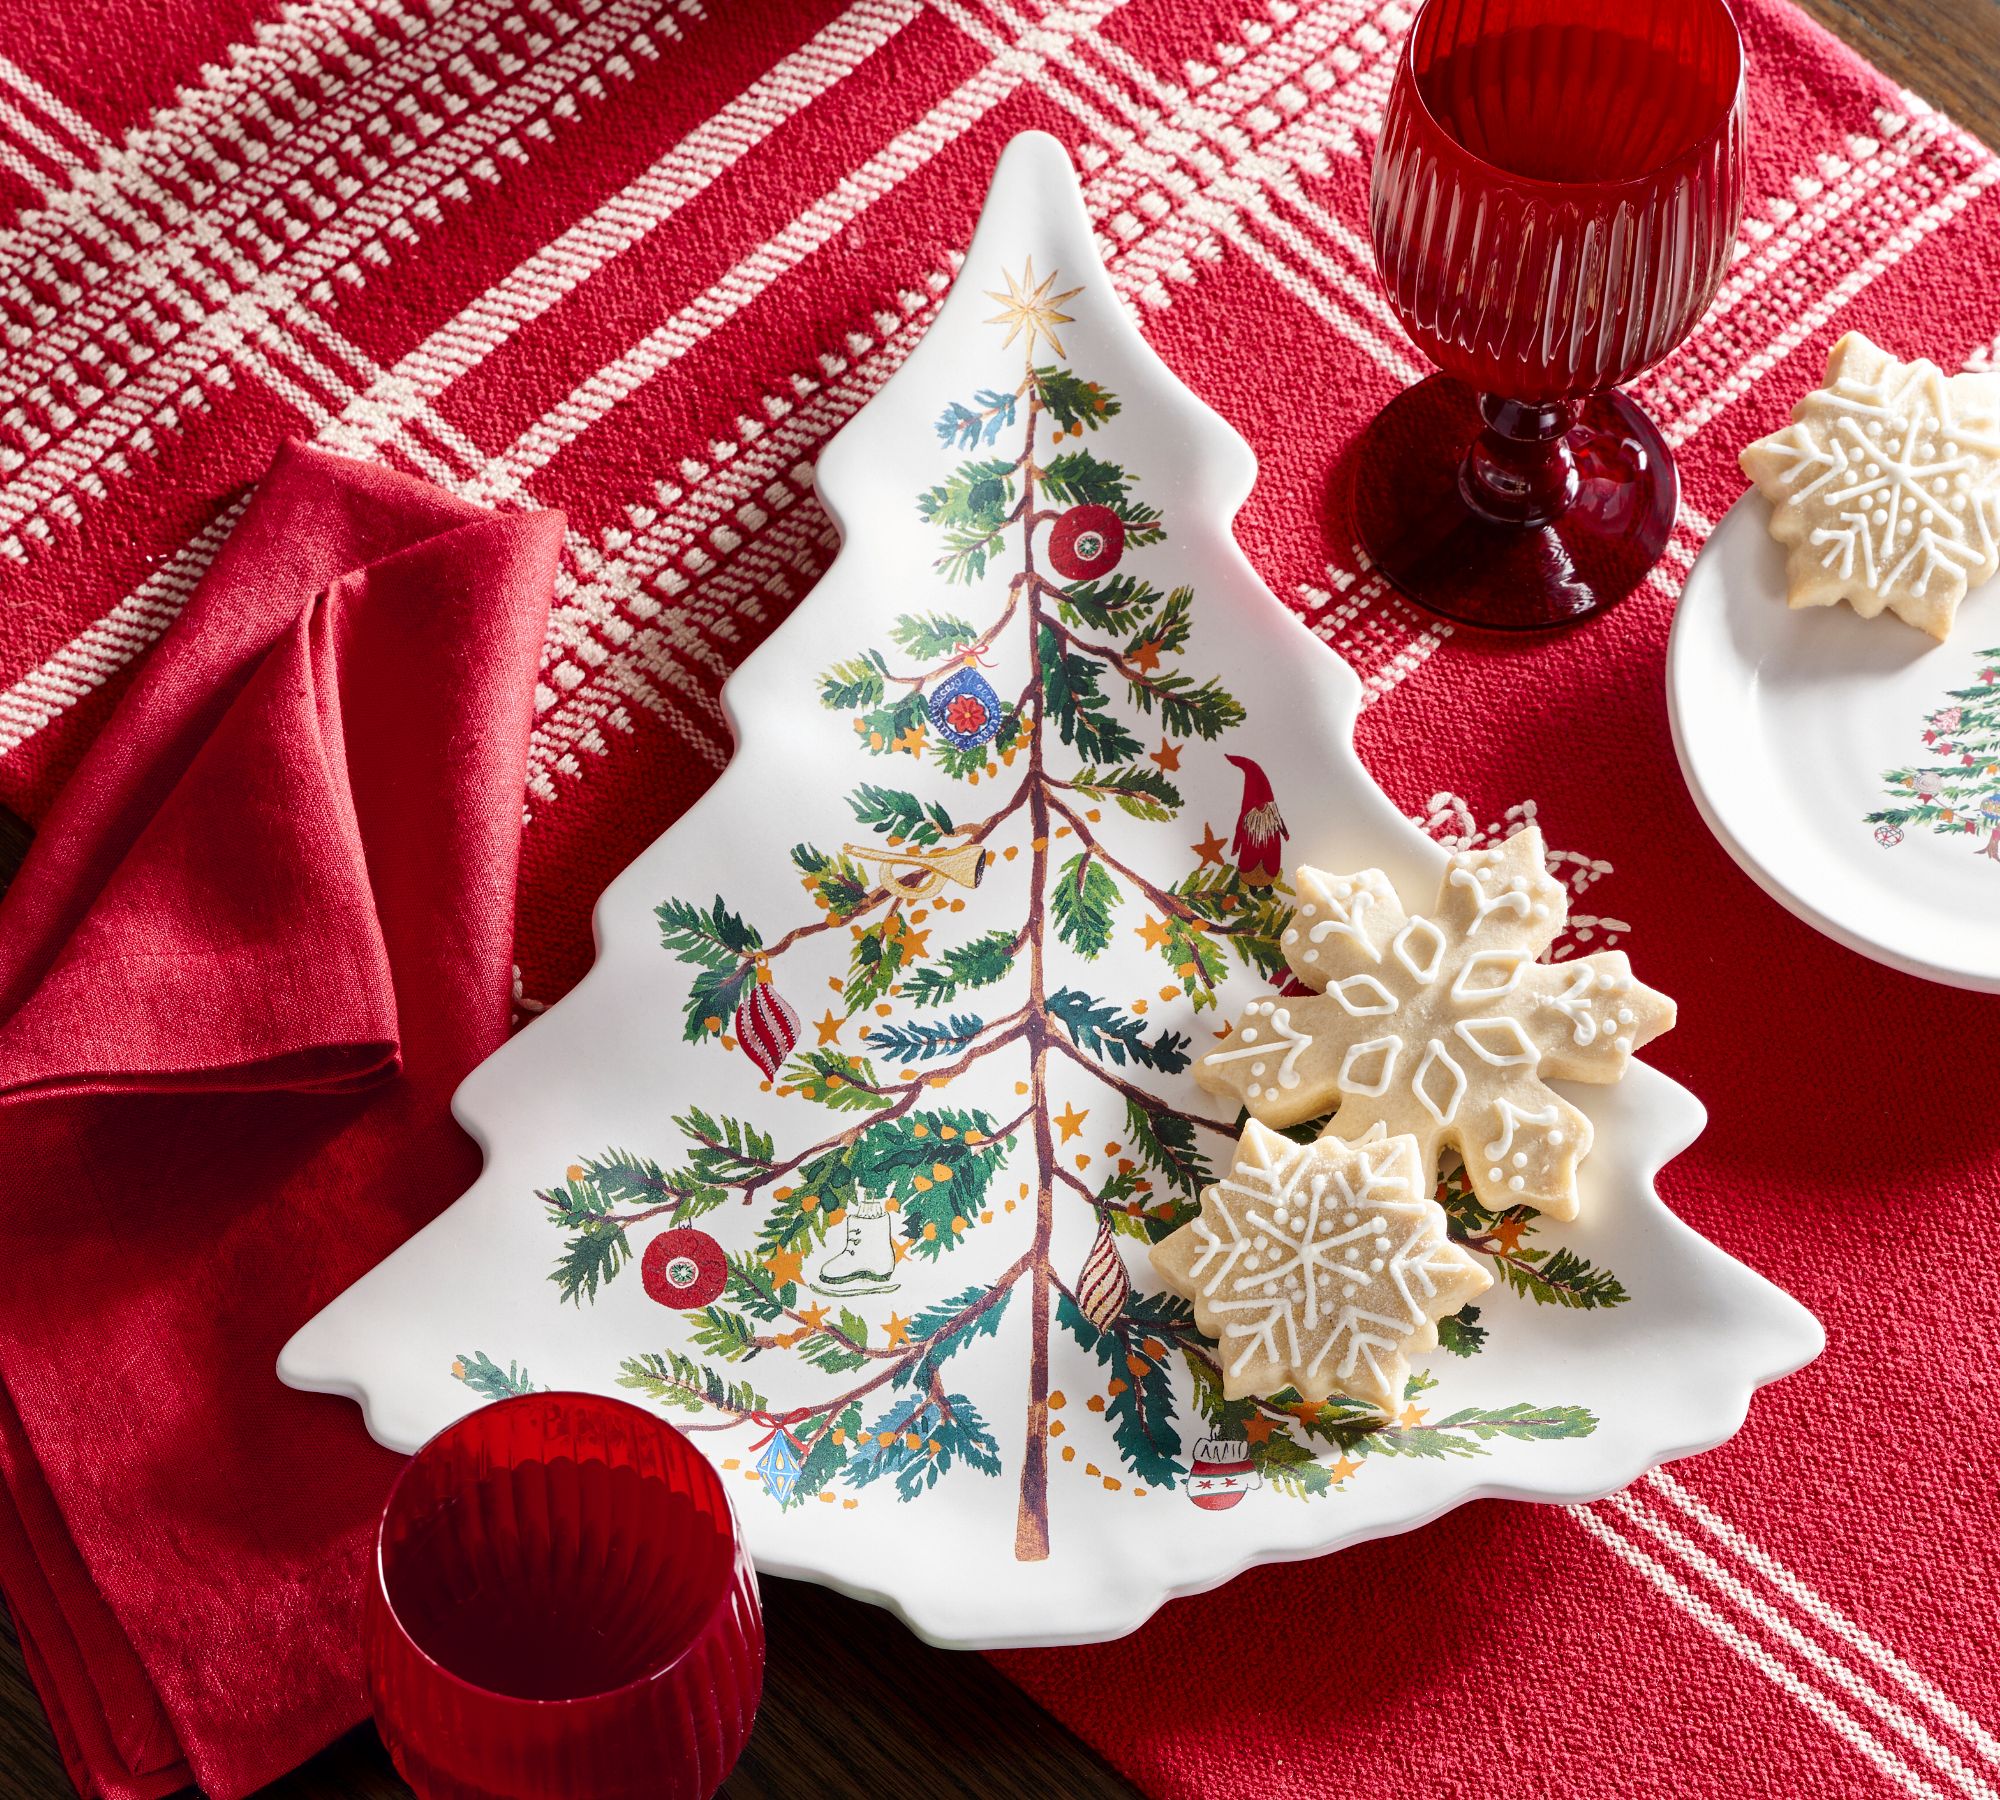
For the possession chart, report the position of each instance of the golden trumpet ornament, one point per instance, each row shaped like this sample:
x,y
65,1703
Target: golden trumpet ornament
x,y
918,873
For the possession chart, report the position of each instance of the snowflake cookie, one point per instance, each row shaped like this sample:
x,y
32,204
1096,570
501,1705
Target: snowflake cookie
x,y
1444,1028
1885,487
1320,1267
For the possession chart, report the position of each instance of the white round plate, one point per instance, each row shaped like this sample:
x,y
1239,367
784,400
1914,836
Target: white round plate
x,y
1798,731
949,1435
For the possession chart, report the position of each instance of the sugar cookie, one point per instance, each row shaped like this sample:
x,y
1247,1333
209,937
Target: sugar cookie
x,y
1885,487
1321,1267
1443,1028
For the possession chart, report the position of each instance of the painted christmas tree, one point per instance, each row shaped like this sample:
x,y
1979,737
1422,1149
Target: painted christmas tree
x,y
1097,714
1056,695
1953,788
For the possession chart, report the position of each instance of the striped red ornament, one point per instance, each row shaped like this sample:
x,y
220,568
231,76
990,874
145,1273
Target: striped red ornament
x,y
1103,1285
766,1027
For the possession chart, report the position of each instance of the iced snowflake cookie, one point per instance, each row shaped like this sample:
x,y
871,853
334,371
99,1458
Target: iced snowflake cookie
x,y
1885,487
1445,1027
1322,1267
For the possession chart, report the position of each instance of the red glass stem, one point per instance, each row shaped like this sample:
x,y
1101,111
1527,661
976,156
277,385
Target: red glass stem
x,y
1520,469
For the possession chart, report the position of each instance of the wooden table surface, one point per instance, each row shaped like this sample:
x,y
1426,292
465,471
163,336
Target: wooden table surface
x,y
839,1715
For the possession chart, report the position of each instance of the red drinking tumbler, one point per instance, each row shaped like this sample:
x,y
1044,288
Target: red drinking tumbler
x,y
563,1609
1554,200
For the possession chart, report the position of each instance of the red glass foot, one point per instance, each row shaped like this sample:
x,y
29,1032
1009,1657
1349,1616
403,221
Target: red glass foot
x,y
1507,516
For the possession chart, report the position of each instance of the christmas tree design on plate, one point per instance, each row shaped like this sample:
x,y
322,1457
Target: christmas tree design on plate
x,y
1953,788
996,728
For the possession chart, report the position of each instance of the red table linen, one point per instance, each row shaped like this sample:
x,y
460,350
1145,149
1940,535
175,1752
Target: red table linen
x,y
639,259
265,928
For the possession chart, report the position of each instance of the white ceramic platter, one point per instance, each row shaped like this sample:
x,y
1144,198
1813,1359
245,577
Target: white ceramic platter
x,y
1852,766
865,1310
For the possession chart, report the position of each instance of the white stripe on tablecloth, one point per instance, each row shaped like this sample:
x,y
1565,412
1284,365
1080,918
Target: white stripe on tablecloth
x,y
93,144
632,214
58,160
1843,1724
1892,247
1834,1675
881,174
1829,1617
62,139
91,658
115,229
18,163
360,226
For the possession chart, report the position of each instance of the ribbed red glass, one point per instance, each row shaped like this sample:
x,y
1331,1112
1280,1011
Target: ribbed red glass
x,y
1555,194
563,1610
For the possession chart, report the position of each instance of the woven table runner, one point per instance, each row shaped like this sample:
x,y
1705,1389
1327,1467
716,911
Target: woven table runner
x,y
639,260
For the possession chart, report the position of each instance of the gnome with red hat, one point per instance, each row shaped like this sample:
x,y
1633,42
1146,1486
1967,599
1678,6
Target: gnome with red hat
x,y
1259,843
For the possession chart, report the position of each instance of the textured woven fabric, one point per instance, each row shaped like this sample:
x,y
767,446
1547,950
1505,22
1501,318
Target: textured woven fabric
x,y
638,260
241,971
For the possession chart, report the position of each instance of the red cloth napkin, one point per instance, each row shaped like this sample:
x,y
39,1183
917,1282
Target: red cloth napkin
x,y
264,930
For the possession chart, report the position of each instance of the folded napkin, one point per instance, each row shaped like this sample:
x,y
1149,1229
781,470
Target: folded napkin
x,y
262,933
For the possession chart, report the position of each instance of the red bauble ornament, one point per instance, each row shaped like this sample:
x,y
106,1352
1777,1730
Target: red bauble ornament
x,y
766,1027
684,1268
1087,542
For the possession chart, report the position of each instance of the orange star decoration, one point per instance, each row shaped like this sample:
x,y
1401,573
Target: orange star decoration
x,y
916,944
1211,847
829,1028
1322,1267
1413,1414
784,1266
898,1329
1024,307
1168,756
1071,1121
911,741
1153,933
1507,1235
1147,657
1343,1468
1256,1430
813,1318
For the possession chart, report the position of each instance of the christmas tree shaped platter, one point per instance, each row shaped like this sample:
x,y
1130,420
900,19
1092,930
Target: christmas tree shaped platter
x,y
849,1149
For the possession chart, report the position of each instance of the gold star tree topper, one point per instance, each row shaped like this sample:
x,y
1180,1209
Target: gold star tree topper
x,y
1885,487
1445,1027
1322,1267
1025,307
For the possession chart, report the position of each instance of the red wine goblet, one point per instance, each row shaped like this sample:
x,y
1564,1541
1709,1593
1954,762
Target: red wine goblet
x,y
1554,198
563,1609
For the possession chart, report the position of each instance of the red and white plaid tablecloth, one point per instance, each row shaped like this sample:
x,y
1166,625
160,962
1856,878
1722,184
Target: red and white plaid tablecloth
x,y
637,259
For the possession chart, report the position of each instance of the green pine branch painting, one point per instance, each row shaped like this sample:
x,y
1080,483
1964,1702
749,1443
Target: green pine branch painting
x,y
1098,711
1953,789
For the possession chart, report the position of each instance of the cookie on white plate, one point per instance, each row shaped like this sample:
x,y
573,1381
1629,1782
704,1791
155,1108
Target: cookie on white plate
x,y
1885,487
